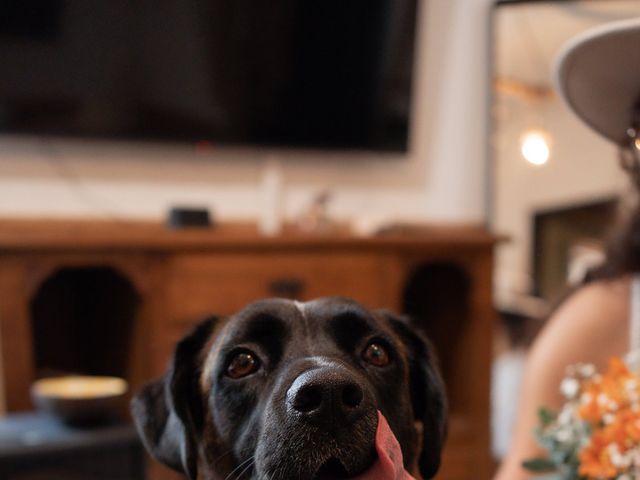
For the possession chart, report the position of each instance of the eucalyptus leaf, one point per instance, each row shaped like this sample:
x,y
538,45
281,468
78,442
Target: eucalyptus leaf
x,y
546,416
539,465
549,476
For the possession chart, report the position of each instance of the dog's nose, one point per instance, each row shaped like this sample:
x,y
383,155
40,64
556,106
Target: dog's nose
x,y
326,395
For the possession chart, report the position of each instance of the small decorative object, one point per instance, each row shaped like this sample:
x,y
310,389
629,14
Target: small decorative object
x,y
315,218
188,217
596,434
80,399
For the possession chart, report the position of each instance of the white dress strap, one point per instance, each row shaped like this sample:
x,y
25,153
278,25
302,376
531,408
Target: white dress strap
x,y
634,311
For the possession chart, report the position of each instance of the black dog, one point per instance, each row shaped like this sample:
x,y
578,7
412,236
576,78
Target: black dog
x,y
286,390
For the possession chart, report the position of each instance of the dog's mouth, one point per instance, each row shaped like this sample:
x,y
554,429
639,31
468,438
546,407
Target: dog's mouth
x,y
334,468
313,452
387,461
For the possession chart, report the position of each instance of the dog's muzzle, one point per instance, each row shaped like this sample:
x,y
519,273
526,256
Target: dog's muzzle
x,y
325,426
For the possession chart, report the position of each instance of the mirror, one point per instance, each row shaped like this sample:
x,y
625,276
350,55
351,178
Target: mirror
x,y
556,183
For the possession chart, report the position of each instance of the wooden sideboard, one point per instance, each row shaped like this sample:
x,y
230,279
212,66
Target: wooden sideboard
x,y
440,274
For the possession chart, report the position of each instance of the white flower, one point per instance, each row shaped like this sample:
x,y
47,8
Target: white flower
x,y
617,458
564,435
634,456
603,399
567,416
570,387
586,370
586,398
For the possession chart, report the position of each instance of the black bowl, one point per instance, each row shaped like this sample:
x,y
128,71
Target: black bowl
x,y
80,400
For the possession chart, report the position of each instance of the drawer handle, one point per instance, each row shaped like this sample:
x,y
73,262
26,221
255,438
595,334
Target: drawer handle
x,y
291,288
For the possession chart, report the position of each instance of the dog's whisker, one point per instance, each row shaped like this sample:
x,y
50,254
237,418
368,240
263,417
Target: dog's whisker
x,y
239,467
246,469
272,475
229,452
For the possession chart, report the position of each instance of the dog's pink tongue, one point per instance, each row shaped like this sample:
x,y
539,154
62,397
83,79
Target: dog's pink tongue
x,y
389,464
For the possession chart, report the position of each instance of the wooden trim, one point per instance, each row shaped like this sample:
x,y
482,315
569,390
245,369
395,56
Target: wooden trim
x,y
25,235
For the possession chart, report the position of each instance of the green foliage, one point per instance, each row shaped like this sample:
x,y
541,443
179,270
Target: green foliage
x,y
546,417
539,465
562,438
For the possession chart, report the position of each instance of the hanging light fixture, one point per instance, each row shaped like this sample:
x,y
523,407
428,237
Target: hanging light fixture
x,y
535,146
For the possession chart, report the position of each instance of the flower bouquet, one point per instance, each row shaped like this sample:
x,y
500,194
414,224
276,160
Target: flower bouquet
x,y
596,434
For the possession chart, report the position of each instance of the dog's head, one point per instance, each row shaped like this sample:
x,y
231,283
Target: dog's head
x,y
288,390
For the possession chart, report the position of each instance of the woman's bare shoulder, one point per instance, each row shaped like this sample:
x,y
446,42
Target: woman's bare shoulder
x,y
600,302
591,325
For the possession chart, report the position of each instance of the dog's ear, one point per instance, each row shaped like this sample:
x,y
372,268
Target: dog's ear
x,y
428,395
168,413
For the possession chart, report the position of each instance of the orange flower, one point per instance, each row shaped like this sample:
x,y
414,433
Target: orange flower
x,y
594,463
609,404
608,393
596,458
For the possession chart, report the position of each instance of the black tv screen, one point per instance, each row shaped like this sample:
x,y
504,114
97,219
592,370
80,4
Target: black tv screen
x,y
286,73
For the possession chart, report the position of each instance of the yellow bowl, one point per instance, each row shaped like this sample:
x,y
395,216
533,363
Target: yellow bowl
x,y
80,399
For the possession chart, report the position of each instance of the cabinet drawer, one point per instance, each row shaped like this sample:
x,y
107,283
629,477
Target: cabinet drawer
x,y
202,284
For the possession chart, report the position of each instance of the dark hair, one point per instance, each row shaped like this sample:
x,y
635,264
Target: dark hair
x,y
623,246
623,249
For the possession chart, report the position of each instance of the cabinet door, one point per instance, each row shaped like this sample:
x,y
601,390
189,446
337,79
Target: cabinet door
x,y
222,284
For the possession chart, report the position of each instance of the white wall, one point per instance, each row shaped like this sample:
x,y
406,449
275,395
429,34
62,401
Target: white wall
x,y
441,180
582,167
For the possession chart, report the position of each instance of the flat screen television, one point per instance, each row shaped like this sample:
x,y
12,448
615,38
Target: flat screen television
x,y
329,74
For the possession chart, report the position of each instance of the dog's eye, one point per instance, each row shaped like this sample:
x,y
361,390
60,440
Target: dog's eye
x,y
376,355
242,364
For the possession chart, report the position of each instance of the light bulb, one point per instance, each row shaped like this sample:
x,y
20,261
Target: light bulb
x,y
535,147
